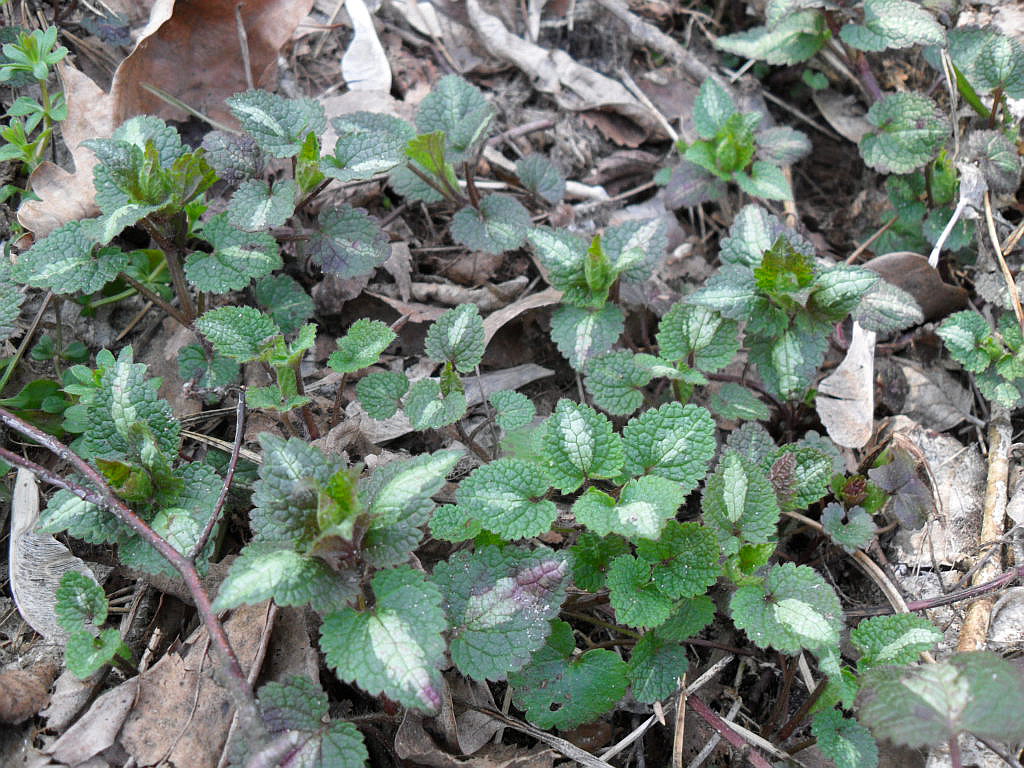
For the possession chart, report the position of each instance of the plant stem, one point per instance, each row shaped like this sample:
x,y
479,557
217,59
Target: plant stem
x,y
954,752
234,678
174,266
752,756
157,299
601,623
307,416
229,476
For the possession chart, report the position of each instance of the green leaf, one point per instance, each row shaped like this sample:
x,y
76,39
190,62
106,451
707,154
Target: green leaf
x,y
512,409
457,337
782,145
927,704
752,442
67,260
795,38
765,180
194,365
11,299
85,521
591,557
564,254
616,381
636,247
299,706
712,108
637,600
909,132
674,441
968,337
851,529
739,504
732,290
285,498
580,444
381,394
279,125
655,667
361,346
255,206
85,653
285,300
755,231
893,24
556,692
688,618
844,741
460,111
410,186
263,572
684,559
396,648
81,603
499,603
735,402
838,290
234,157
237,258
428,408
897,639
368,143
500,224
643,507
512,492
885,308
794,609
800,475
454,523
789,360
698,336
582,334
1000,64
349,243
401,490
240,333
541,177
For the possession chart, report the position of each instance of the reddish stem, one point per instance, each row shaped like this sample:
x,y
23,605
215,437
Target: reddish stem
x,y
752,756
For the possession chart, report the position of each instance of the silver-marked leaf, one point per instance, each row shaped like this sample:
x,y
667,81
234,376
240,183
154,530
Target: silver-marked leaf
x,y
368,143
795,38
674,441
739,504
499,603
712,108
698,336
349,243
616,381
457,337
582,334
237,257
279,125
540,176
782,145
579,444
69,261
909,131
428,408
643,507
510,494
635,248
897,639
1000,64
255,206
738,403
764,180
396,648
499,225
893,24
460,110
361,346
512,409
238,332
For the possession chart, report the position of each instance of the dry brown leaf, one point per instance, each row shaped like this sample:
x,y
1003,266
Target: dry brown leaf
x,y
910,271
25,692
844,113
67,196
98,728
934,397
191,50
846,398
496,320
413,743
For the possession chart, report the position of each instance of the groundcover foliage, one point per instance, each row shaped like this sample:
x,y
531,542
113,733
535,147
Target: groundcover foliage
x,y
663,519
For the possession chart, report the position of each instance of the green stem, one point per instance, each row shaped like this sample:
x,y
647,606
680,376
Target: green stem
x,y
174,265
602,623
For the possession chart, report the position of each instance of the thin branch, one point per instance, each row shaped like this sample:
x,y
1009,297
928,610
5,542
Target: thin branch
x,y
229,476
174,267
752,756
157,299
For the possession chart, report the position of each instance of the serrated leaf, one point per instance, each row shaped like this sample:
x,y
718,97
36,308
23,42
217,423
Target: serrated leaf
x,y
897,639
735,402
739,504
500,224
410,186
80,603
643,507
732,291
794,609
637,600
85,521
1000,64
967,336
86,653
397,648
285,498
712,108
235,157
361,346
591,556
368,143
684,559
285,300
499,602
556,692
237,257
688,618
563,254
911,499
674,441
457,337
795,38
255,206
581,334
460,111
886,308
540,176
512,409
454,523
68,261
512,491
844,741
263,572
278,125
807,478
764,180
789,360
240,333
11,299
782,145
918,706
193,364
428,408
851,529
381,394
616,381
580,444
349,242
400,491
635,248
698,336
655,667
893,24
909,132
838,290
